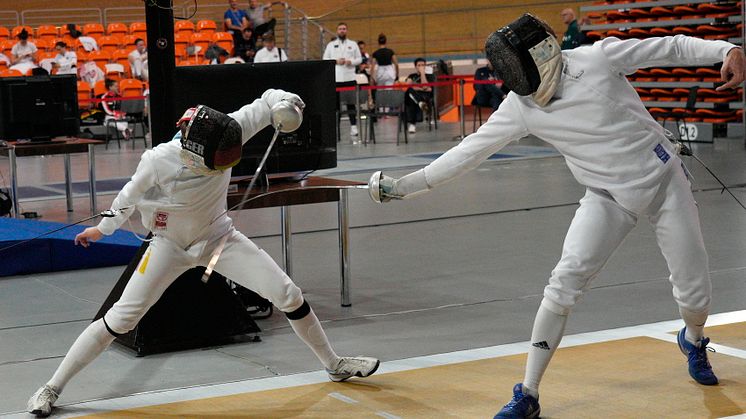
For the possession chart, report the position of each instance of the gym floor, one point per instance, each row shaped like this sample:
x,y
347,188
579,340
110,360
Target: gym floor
x,y
444,290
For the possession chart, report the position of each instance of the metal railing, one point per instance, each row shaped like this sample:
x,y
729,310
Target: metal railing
x,y
9,18
61,17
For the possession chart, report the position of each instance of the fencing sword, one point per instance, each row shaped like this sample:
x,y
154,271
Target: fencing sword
x,y
686,151
104,214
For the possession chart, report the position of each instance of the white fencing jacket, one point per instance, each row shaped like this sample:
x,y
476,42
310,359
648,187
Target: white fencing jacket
x,y
343,49
175,202
595,119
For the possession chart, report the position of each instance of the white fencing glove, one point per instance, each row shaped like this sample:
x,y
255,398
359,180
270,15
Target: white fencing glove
x,y
273,96
381,188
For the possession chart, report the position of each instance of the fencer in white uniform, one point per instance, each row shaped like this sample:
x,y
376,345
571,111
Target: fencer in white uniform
x,y
180,189
580,102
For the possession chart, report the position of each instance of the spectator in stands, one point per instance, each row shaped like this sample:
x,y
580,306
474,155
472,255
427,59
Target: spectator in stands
x,y
245,48
418,99
23,53
364,66
138,60
235,20
347,56
256,17
490,95
89,43
571,39
111,105
384,65
65,62
269,53
91,73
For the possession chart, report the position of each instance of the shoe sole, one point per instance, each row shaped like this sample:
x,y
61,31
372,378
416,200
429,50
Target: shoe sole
x,y
39,413
357,374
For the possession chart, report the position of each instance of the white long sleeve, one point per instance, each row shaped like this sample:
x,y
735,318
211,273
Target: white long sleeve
x,y
145,178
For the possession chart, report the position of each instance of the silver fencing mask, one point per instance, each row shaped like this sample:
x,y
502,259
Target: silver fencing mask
x,y
210,138
521,52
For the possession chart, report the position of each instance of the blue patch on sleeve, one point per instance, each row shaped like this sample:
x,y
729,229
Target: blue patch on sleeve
x,y
661,153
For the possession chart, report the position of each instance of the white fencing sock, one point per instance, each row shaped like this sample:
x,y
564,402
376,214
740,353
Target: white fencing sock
x,y
695,324
308,328
545,337
89,345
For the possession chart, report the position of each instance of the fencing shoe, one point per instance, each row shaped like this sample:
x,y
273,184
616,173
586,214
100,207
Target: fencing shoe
x,y
40,404
699,367
412,128
349,366
353,130
522,406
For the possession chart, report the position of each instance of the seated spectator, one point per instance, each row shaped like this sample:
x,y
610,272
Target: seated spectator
x,y
89,44
23,53
418,99
384,64
235,20
111,108
364,66
490,95
138,60
245,48
256,17
65,62
269,53
90,72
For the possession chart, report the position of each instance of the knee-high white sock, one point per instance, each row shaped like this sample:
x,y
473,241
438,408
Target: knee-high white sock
x,y
545,337
695,324
94,339
309,331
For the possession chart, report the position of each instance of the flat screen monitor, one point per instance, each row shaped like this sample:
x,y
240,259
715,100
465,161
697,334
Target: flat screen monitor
x,y
38,108
230,86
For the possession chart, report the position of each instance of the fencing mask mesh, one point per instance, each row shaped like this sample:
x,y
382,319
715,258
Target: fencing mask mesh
x,y
517,50
210,137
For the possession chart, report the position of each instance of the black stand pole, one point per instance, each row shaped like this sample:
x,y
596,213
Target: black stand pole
x,y
161,64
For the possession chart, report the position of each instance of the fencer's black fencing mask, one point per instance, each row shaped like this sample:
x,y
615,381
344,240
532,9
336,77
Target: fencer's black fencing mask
x,y
517,50
212,137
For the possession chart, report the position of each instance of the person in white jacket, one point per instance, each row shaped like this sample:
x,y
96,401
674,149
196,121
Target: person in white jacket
x,y
180,188
346,55
580,102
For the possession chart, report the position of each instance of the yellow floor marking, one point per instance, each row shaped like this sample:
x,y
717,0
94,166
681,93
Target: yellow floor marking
x,y
733,335
636,377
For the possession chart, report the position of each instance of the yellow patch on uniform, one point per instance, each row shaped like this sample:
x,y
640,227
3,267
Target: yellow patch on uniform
x,y
144,263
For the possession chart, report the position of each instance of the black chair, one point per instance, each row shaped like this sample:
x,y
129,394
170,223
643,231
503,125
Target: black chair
x,y
477,113
388,102
135,111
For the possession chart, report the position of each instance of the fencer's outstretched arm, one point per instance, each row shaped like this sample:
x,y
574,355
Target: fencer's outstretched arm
x,y
629,55
255,116
503,127
145,177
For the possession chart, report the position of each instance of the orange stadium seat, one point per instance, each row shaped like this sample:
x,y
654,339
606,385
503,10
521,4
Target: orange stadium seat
x,y
139,29
47,32
66,34
11,73
101,58
131,87
184,26
224,40
181,40
109,43
115,71
128,41
18,30
4,33
117,28
207,26
44,45
93,29
84,94
99,88
202,40
3,66
120,57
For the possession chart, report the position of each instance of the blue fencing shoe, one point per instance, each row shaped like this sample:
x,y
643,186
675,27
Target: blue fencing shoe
x,y
522,406
699,367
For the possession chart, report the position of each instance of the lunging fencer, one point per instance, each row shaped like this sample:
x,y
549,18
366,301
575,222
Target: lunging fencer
x,y
580,102
180,188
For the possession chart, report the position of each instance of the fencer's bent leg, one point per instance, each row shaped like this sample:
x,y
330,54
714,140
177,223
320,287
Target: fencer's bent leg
x,y
675,219
598,228
156,271
243,262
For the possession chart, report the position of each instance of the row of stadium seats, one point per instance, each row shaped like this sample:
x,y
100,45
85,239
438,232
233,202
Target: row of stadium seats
x,y
95,30
709,116
724,31
684,11
707,74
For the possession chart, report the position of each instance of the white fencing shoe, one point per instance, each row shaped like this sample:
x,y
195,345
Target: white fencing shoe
x,y
40,404
412,128
348,366
353,130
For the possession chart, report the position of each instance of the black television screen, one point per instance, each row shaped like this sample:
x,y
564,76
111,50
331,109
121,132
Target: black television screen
x,y
38,108
228,87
